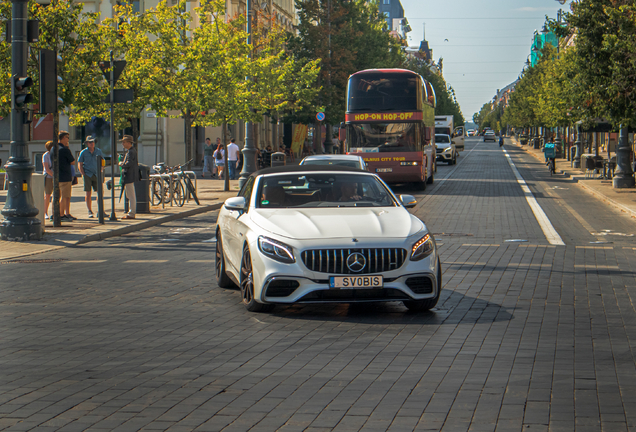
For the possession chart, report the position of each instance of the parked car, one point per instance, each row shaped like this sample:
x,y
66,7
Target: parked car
x,y
490,136
351,161
324,234
445,148
470,132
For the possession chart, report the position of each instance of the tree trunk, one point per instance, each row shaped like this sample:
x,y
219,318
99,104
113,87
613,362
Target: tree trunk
x,y
134,124
187,119
226,171
56,171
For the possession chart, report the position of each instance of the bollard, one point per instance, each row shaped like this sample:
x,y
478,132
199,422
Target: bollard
x,y
101,162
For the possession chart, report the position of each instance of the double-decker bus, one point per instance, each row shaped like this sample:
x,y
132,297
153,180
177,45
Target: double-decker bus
x,y
390,122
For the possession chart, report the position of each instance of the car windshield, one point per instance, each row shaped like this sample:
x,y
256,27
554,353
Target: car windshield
x,y
347,163
322,190
442,139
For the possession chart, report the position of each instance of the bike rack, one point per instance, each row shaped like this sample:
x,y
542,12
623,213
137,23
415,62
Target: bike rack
x,y
192,176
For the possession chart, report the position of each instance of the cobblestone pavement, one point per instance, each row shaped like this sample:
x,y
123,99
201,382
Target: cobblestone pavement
x,y
132,333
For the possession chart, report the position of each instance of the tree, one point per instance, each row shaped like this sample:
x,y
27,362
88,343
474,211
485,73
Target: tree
x,y
445,94
347,36
605,58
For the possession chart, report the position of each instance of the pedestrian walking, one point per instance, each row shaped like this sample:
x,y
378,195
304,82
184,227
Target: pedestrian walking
x,y
208,158
219,158
65,163
336,144
89,168
131,174
47,166
232,158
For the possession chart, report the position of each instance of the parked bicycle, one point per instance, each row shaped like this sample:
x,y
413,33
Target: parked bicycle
x,y
171,185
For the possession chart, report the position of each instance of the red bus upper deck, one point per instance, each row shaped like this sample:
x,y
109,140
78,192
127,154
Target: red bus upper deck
x,y
390,122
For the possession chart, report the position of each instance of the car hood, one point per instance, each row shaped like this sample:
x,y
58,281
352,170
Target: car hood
x,y
321,223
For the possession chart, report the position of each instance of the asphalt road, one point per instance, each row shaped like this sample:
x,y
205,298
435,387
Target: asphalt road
x,y
132,333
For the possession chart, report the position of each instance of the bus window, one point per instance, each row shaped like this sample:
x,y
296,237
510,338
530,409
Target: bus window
x,y
385,137
383,92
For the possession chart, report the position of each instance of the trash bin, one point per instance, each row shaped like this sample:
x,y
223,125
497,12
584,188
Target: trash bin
x,y
536,142
523,139
142,189
278,159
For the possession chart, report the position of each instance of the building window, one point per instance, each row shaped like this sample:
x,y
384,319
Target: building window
x,y
387,1
388,14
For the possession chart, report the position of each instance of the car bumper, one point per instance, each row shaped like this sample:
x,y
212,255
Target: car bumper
x,y
444,157
276,282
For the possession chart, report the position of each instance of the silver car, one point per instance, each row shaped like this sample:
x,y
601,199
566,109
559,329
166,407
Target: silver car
x,y
321,234
343,160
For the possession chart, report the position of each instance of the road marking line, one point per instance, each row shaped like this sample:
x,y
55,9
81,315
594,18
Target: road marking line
x,y
85,261
535,246
145,261
544,222
201,261
594,266
595,247
479,245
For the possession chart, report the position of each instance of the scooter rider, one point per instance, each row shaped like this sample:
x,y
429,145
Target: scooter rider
x,y
501,140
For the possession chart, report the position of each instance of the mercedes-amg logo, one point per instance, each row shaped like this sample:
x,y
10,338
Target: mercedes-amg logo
x,y
356,262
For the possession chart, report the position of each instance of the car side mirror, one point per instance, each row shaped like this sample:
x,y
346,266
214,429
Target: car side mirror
x,y
235,204
408,201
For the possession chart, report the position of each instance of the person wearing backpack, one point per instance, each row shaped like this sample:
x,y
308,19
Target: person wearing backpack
x,y
219,158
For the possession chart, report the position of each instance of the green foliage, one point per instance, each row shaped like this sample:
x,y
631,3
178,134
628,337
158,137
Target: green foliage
x,y
346,36
77,37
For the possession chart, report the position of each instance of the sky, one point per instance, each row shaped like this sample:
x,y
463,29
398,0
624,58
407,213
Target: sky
x,y
484,43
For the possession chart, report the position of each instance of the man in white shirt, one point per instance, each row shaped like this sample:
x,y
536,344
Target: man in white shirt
x,y
232,158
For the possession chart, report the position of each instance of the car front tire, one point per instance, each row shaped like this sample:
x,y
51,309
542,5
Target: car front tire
x,y
247,285
222,279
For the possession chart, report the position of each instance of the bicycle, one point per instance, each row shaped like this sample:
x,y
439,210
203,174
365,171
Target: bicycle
x,y
551,166
169,187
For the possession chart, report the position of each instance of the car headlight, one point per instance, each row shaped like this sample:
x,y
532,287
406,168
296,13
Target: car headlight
x,y
447,149
423,248
276,250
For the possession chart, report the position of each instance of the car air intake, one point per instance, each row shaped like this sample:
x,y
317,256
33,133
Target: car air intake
x,y
354,261
281,288
420,284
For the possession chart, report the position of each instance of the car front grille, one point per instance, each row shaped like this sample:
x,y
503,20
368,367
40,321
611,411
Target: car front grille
x,y
334,261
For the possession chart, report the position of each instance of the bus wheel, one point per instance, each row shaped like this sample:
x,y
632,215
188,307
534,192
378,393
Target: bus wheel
x,y
431,179
420,186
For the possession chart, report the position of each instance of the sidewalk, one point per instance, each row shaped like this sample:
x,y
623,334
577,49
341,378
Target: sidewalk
x,y
84,229
623,199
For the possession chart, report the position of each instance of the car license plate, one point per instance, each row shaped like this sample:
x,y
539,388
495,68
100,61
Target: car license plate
x,y
352,282
384,170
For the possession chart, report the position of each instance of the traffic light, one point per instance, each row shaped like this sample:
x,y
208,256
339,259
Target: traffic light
x,y
20,89
49,80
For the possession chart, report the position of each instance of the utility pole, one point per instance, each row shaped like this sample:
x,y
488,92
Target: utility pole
x,y
20,223
249,151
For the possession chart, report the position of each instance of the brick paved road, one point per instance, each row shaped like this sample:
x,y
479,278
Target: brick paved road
x,y
132,333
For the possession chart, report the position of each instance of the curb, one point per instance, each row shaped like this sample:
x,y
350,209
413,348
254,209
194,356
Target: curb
x,y
147,224
591,190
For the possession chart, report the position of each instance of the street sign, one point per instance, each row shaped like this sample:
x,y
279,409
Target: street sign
x,y
121,96
320,109
119,68
320,116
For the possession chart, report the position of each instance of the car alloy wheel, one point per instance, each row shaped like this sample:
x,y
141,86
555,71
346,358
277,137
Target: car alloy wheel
x,y
247,285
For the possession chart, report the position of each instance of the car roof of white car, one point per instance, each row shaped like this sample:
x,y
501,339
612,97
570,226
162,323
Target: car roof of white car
x,y
309,168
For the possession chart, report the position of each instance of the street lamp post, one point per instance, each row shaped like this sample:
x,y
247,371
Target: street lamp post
x,y
249,151
20,223
624,176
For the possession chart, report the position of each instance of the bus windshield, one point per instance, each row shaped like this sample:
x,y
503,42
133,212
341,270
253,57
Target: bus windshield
x,y
384,137
383,92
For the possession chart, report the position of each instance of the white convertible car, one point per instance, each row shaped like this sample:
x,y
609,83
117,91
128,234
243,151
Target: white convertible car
x,y
320,234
